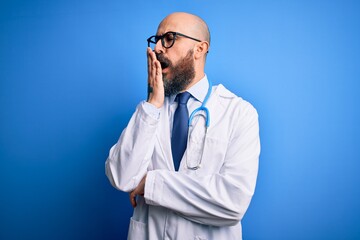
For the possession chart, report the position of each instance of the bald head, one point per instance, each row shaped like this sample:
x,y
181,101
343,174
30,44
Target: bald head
x,y
185,23
183,59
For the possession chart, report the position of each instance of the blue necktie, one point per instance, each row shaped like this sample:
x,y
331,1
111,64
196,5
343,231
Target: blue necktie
x,y
180,128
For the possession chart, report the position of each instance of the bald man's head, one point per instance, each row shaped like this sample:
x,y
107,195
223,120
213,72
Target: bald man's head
x,y
182,51
185,23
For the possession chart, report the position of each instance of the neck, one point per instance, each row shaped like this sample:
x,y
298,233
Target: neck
x,y
197,78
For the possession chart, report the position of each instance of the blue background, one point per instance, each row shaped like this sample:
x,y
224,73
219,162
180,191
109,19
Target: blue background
x,y
72,73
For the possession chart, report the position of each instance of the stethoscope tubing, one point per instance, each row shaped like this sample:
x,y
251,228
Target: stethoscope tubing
x,y
203,108
207,124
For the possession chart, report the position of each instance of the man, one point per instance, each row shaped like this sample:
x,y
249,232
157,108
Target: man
x,y
186,182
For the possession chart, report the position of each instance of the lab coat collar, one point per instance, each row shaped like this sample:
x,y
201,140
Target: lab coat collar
x,y
218,103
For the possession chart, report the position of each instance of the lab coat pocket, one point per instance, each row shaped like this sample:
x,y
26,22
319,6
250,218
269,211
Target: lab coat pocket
x,y
206,149
137,230
195,145
205,154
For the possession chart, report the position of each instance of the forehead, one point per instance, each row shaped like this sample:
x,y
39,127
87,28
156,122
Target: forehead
x,y
174,24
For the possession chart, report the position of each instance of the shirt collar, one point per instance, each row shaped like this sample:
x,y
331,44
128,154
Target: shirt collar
x,y
198,91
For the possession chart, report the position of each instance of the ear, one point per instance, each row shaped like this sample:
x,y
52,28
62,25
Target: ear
x,y
201,49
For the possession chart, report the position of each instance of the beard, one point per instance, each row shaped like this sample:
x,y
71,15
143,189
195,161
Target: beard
x,y
182,73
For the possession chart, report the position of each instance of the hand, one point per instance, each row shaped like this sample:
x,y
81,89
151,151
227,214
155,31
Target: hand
x,y
155,81
139,190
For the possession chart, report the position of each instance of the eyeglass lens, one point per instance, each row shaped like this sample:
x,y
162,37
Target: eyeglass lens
x,y
167,40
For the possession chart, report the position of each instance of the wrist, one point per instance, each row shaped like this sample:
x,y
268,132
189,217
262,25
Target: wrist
x,y
156,103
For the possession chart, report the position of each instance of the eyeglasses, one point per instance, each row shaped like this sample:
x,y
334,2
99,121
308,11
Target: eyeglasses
x,y
167,39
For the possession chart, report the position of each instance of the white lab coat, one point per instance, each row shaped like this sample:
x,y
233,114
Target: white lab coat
x,y
207,203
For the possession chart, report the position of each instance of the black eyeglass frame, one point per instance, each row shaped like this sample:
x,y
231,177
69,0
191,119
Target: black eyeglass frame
x,y
161,37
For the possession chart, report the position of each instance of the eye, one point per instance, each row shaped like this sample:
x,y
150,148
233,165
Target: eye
x,y
169,37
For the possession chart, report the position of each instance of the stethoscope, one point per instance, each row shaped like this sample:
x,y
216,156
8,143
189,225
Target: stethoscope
x,y
207,124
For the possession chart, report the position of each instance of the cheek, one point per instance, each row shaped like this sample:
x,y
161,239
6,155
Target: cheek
x,y
172,64
175,54
172,60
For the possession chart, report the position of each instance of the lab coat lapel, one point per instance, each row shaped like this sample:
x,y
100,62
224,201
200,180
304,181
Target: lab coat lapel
x,y
215,107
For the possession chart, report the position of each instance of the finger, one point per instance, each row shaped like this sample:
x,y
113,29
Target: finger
x,y
150,72
158,82
154,60
133,199
158,69
152,54
151,66
148,49
149,60
154,69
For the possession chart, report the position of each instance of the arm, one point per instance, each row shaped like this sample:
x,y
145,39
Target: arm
x,y
130,156
216,199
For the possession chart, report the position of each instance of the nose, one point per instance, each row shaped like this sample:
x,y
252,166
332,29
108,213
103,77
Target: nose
x,y
158,47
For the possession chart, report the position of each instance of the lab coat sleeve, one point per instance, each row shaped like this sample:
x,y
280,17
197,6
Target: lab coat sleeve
x,y
218,199
130,156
